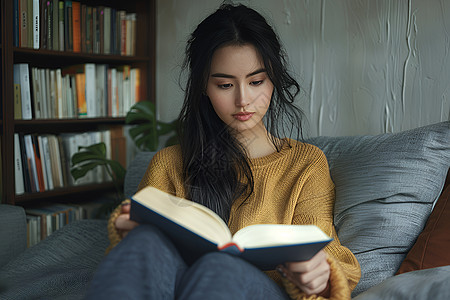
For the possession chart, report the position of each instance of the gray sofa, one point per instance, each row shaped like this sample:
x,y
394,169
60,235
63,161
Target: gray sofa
x,y
386,186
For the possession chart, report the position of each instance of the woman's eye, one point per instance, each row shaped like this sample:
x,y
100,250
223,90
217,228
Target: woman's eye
x,y
225,86
258,82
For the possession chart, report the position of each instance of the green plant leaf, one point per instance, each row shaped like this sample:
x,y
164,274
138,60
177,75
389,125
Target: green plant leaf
x,y
81,170
147,130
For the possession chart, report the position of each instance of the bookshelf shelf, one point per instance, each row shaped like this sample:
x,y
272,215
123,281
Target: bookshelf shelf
x,y
31,54
91,121
143,12
30,197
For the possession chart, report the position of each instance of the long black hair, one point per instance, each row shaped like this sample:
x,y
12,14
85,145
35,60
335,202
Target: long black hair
x,y
216,168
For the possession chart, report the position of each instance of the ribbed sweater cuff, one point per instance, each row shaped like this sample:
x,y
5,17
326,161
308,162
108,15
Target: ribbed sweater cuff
x,y
113,234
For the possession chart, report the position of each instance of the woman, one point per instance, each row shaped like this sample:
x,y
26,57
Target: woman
x,y
233,158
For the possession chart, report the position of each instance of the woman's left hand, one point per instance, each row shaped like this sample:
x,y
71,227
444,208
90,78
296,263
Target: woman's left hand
x,y
310,276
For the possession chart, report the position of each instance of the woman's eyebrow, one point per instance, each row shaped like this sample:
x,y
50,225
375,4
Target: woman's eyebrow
x,y
223,75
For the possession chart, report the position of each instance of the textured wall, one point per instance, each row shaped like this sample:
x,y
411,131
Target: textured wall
x,y
366,67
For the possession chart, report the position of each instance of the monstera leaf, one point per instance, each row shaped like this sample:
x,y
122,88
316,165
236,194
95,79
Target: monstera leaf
x,y
90,157
148,129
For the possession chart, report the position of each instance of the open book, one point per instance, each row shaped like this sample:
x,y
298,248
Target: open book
x,y
197,230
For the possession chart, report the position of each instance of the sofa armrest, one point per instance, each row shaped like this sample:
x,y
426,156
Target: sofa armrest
x,y
13,233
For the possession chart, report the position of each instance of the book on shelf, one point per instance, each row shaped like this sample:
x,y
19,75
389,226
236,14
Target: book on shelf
x,y
197,230
17,102
22,77
23,23
18,173
55,25
36,24
76,26
16,23
61,25
43,161
31,162
78,91
45,219
68,25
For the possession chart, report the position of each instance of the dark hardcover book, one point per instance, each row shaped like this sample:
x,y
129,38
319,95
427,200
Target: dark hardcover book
x,y
38,163
25,166
89,29
68,39
16,23
196,230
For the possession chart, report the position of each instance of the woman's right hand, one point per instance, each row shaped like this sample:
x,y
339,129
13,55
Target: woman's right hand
x,y
123,223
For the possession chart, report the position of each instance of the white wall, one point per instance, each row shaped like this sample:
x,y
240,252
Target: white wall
x,y
367,66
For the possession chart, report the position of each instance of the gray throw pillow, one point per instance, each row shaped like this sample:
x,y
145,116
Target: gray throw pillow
x,y
385,189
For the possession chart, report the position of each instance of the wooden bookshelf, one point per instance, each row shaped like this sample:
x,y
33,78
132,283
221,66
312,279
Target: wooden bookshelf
x,y
144,59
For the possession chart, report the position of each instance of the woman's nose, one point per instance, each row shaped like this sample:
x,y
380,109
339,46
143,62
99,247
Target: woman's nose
x,y
242,97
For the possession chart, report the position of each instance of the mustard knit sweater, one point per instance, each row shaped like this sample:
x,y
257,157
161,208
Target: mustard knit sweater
x,y
292,186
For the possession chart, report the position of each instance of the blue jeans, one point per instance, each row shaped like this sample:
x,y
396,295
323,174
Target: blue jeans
x,y
146,265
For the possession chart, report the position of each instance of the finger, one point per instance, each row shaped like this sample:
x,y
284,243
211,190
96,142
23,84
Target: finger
x,y
123,222
309,265
306,278
126,208
314,286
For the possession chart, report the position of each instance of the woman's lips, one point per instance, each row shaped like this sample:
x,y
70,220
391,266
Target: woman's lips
x,y
243,116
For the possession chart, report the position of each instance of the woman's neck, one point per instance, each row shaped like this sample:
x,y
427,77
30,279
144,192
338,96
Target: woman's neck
x,y
257,142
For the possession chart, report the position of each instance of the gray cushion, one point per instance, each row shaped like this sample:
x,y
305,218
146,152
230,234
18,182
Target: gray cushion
x,y
135,172
59,267
385,189
13,232
424,284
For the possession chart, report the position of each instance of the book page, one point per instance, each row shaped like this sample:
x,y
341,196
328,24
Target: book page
x,y
193,216
271,235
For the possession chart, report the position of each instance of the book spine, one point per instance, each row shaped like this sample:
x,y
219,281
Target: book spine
x,y
43,24
16,24
30,23
18,172
25,165
38,164
95,31
42,159
44,93
17,102
24,76
23,23
36,93
128,34
89,29
59,93
76,26
133,34
47,161
64,165
53,97
101,29
31,163
61,29
36,24
49,26
83,27
68,40
107,30
55,25
123,32
81,98
90,90
48,96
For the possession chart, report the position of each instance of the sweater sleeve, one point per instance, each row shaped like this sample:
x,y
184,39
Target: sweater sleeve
x,y
315,206
164,173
